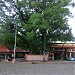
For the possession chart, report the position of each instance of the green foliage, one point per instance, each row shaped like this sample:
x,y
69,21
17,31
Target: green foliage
x,y
38,22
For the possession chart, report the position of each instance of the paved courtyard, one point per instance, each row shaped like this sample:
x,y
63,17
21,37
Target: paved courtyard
x,y
44,68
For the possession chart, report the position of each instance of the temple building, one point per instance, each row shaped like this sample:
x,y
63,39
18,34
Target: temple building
x,y
63,51
4,52
7,54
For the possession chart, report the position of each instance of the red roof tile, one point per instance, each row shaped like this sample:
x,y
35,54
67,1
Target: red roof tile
x,y
3,48
18,50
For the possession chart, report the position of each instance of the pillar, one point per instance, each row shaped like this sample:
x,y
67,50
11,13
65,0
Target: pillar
x,y
53,57
26,57
70,55
5,56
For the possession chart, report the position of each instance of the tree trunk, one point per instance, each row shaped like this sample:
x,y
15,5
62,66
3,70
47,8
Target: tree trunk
x,y
44,42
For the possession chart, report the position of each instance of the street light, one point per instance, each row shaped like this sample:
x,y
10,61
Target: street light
x,y
14,60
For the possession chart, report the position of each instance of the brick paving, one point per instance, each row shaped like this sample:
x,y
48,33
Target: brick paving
x,y
40,68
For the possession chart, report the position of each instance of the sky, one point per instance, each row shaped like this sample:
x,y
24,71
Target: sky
x,y
71,21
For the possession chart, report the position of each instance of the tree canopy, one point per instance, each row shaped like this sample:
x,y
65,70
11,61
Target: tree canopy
x,y
39,22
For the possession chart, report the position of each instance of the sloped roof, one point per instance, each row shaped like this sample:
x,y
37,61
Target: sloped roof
x,y
3,48
18,50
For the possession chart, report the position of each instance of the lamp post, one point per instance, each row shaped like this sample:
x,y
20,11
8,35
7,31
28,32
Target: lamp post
x,y
14,60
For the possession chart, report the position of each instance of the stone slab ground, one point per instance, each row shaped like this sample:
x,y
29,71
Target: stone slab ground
x,y
41,68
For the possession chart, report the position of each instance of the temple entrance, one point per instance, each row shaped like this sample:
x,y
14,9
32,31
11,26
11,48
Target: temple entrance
x,y
51,56
59,55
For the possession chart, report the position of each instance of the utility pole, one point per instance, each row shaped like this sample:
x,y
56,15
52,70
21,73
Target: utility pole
x,y
14,60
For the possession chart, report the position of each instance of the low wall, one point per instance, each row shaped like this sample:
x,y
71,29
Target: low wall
x,y
36,57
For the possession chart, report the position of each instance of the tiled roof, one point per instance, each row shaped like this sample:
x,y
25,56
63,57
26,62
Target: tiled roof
x,y
18,50
63,46
3,48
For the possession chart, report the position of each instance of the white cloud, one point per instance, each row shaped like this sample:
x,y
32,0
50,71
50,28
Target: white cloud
x,y
71,21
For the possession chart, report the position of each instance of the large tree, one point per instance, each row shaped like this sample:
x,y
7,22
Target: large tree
x,y
46,18
41,21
